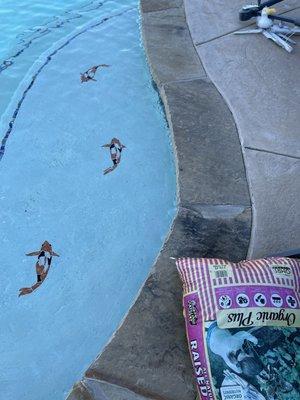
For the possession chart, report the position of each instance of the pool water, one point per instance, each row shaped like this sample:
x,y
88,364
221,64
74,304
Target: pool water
x,y
29,27
107,229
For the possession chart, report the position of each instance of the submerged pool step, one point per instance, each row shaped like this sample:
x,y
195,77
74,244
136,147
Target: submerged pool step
x,y
91,389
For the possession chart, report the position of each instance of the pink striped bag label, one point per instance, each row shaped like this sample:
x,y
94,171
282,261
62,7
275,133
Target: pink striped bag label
x,y
242,324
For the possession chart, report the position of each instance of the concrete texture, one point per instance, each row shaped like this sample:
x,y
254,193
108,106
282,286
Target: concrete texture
x,y
207,145
211,19
148,355
275,184
90,389
105,391
80,392
170,47
259,81
159,5
221,231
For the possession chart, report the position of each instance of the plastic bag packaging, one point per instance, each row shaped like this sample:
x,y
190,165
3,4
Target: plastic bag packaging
x,y
242,325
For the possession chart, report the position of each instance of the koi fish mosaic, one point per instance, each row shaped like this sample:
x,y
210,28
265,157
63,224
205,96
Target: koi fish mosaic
x,y
89,75
115,149
42,267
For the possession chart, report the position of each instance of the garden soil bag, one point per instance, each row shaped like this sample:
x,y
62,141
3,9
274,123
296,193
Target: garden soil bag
x,y
242,325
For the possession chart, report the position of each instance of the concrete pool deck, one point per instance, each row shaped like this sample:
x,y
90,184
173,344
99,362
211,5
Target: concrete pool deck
x,y
260,83
213,135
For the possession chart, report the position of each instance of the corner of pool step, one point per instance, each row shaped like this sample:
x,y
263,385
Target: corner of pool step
x,y
93,389
79,392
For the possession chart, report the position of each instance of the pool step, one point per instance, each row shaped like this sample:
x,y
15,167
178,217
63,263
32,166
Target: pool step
x,y
92,389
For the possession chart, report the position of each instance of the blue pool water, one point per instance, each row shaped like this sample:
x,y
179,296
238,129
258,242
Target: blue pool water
x,y
29,27
107,229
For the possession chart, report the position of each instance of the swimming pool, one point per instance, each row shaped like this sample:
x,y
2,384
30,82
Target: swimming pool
x,y
107,229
